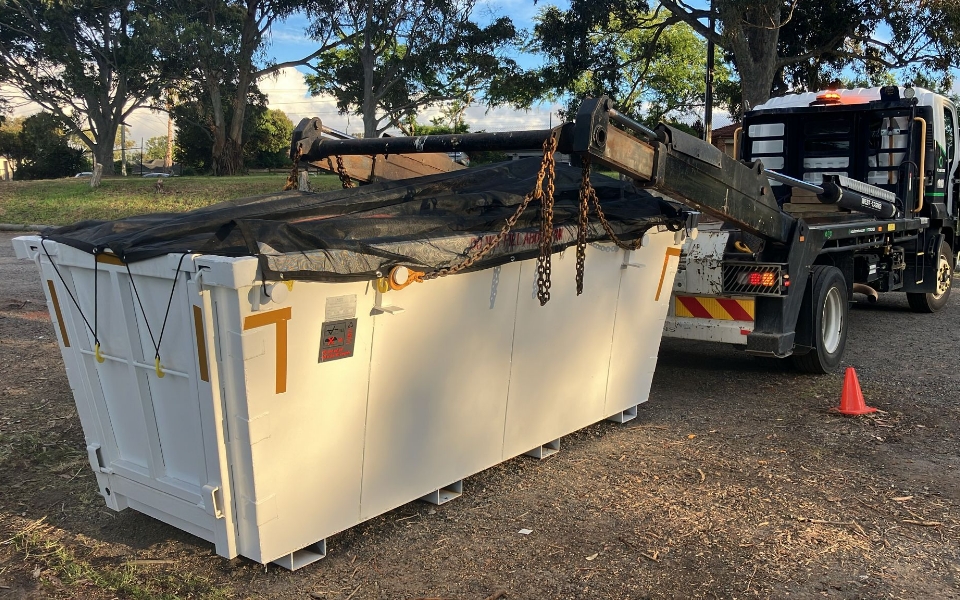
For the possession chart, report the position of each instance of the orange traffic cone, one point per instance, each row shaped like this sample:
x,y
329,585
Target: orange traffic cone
x,y
851,398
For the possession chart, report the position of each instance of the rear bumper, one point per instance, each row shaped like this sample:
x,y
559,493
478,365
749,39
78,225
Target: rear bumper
x,y
707,330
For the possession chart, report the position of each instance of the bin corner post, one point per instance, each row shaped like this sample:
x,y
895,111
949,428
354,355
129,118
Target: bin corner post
x,y
304,556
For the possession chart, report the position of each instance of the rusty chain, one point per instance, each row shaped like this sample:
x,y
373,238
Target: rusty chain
x,y
544,261
294,176
345,180
546,173
582,226
588,192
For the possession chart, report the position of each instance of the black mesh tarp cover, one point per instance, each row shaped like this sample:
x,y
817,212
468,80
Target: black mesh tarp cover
x,y
425,223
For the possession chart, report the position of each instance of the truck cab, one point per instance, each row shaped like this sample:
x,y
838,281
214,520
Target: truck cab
x,y
733,286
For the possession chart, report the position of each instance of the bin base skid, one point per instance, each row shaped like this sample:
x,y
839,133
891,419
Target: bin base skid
x,y
444,494
625,415
304,556
545,450
283,413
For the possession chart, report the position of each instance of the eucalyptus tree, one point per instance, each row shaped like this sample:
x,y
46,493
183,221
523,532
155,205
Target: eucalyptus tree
x,y
401,56
90,63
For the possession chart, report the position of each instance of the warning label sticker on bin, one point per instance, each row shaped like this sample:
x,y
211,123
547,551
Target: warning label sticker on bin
x,y
337,339
340,307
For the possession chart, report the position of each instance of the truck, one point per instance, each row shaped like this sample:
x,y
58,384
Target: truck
x,y
790,298
830,193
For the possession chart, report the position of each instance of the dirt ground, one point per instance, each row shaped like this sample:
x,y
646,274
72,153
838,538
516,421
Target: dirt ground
x,y
734,482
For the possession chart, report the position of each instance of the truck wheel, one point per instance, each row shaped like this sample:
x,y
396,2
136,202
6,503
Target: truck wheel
x,y
828,295
928,303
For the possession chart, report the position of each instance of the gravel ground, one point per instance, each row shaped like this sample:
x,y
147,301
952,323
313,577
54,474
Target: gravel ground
x,y
735,481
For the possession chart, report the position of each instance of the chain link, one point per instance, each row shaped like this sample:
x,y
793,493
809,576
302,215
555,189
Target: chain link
x,y
345,180
582,225
587,190
294,176
544,261
545,174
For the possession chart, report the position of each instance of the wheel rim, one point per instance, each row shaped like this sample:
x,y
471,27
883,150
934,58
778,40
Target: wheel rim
x,y
831,322
943,277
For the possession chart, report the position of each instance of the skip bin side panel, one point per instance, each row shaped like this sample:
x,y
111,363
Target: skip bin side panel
x,y
640,316
438,385
296,424
561,351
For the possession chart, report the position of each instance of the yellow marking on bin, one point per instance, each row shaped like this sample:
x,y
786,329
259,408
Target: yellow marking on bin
x,y
56,310
663,272
278,318
201,343
110,259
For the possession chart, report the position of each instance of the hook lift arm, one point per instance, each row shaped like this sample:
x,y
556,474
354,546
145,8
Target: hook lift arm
x,y
665,159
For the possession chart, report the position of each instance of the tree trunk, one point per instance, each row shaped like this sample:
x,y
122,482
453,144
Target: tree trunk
x,y
168,155
95,177
229,161
752,35
368,61
103,155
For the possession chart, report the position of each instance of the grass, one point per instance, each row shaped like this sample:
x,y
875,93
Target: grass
x,y
66,201
57,565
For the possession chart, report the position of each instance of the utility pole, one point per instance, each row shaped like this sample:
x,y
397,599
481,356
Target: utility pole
x,y
123,149
708,100
141,157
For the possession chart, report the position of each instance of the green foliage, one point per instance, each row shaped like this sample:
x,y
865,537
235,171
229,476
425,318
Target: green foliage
x,y
43,151
775,45
438,126
155,148
268,146
652,70
400,56
196,121
222,44
89,62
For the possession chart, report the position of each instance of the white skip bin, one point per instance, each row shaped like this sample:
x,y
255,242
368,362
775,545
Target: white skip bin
x,y
282,413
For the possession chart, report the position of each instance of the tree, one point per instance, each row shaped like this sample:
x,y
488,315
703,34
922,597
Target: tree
x,y
266,133
11,147
197,130
268,146
155,148
767,40
88,62
400,56
670,84
44,151
224,40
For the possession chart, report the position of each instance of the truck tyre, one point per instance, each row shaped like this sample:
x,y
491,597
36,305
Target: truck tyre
x,y
928,303
828,313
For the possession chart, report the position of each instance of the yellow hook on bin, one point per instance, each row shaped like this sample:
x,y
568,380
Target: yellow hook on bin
x,y
96,353
156,365
401,277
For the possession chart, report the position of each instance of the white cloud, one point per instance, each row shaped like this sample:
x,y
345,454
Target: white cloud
x,y
288,92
